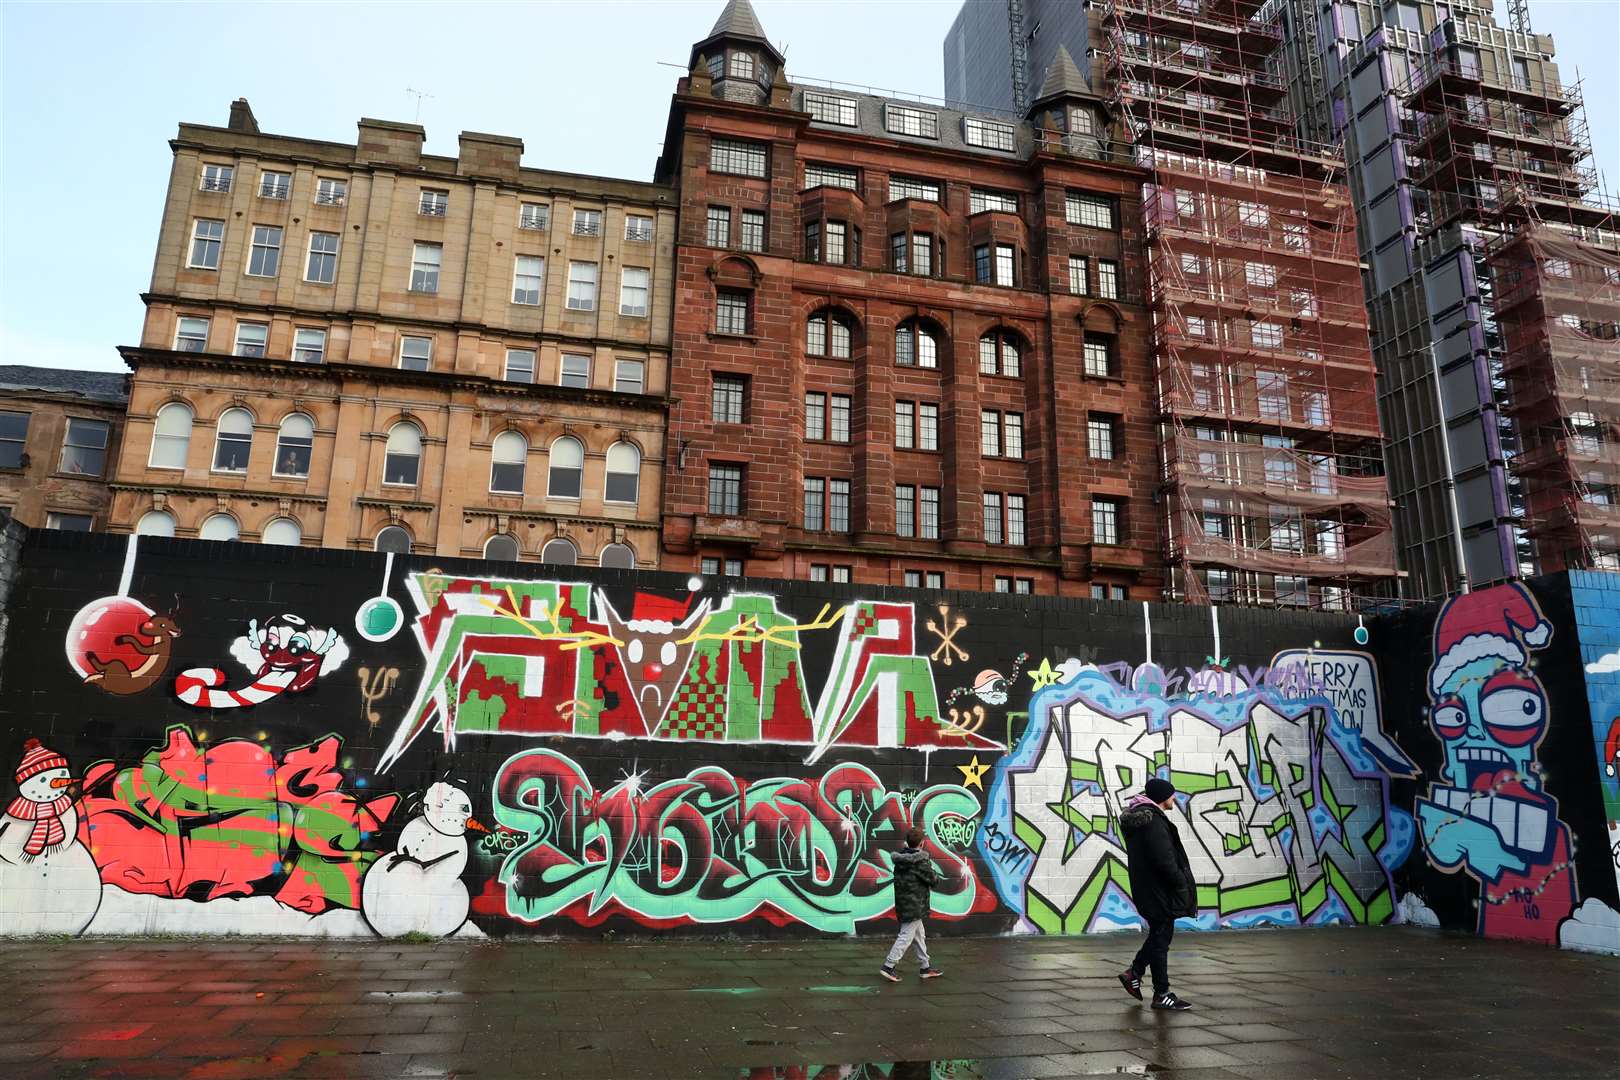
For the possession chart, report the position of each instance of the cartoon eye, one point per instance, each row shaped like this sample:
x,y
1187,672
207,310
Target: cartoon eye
x,y
1450,720
666,655
1512,708
635,651
298,645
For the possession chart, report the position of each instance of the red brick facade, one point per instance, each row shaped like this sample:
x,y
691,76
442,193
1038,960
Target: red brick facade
x,y
1056,475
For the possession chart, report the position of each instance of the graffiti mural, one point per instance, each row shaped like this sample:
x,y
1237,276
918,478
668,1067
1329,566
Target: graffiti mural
x,y
710,847
417,889
286,655
1595,925
1287,816
48,879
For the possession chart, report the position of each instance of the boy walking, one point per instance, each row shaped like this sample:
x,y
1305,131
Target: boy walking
x,y
1161,887
914,878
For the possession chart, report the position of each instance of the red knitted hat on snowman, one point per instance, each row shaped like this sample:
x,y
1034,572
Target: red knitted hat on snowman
x,y
36,759
1497,622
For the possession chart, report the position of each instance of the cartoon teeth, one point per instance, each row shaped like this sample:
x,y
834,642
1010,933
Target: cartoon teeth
x,y
1523,826
1487,754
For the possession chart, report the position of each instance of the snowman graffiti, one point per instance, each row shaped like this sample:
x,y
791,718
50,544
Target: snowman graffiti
x,y
49,884
417,888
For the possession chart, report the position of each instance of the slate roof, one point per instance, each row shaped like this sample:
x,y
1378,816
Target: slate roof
x,y
110,387
870,116
1063,78
738,20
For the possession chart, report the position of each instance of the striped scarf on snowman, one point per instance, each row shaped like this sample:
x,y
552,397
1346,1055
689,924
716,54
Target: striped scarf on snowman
x,y
47,818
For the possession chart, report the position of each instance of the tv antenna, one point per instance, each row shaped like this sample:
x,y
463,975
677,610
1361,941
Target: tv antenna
x,y
420,94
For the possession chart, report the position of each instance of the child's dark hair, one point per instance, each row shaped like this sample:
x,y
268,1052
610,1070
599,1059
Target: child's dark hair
x,y
914,837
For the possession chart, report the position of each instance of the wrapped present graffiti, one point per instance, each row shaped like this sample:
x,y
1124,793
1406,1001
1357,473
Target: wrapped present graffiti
x,y
1286,813
232,819
711,847
528,658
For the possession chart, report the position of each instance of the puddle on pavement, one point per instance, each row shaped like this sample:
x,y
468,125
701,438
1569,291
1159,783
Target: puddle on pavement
x,y
861,989
948,1069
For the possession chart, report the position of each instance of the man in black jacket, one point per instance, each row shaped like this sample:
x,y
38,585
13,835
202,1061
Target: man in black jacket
x,y
914,881
1161,887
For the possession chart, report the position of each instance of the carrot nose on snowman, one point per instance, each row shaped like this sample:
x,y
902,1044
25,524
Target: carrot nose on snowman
x,y
64,781
477,826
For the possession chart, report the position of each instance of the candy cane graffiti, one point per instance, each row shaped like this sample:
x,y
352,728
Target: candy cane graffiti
x,y
286,656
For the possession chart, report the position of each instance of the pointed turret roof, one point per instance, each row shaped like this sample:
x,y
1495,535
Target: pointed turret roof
x,y
737,22
1063,78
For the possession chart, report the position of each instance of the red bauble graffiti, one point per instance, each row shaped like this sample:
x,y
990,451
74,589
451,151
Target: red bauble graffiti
x,y
120,644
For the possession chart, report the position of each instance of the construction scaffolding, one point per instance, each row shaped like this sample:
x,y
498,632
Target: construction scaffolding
x,y
1267,410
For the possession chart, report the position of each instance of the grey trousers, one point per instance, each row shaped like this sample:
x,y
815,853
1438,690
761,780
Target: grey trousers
x,y
909,932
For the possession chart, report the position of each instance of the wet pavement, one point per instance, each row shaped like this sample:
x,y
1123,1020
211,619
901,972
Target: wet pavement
x,y
1271,1005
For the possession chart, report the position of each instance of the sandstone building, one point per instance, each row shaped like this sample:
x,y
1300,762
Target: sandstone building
x,y
59,431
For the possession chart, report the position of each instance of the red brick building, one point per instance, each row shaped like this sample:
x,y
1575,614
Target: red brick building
x,y
910,346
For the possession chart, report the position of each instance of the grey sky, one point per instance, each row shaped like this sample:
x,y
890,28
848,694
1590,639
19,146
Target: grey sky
x,y
91,93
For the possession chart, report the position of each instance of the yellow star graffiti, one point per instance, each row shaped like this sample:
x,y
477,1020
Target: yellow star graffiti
x,y
1044,675
973,773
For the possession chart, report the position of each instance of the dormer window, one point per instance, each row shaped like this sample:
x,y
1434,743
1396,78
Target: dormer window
x,y
1081,122
990,134
905,120
741,66
831,109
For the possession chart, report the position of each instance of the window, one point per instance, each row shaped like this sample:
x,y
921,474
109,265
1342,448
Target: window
x,y
274,185
1092,211
207,237
635,284
233,441
1001,434
502,548
1296,237
1078,277
217,178
913,254
395,539
1266,335
309,345
1105,521
84,447
171,437
1253,215
507,456
191,335
753,230
1004,584
838,419
567,473
415,353
913,579
719,230
838,506
520,365
433,203
630,377
152,523
528,274
835,251
907,187
994,264
617,557
1273,387
741,66
219,527
13,439
323,256
815,496
992,519
915,346
928,518
533,215
251,339
834,176
425,262
725,489
905,425
736,156
1108,279
331,192
1024,586
989,433
582,286
711,567
812,241
1260,275
1100,438
1081,122
587,223
731,312
295,445
623,484
1098,354
830,109
980,200
905,510
827,335
998,354
815,416
990,134
282,532
818,571
729,394
402,458
574,371
638,229
927,426
905,120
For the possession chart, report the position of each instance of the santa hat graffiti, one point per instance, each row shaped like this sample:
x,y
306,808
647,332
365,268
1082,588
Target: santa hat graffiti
x,y
1497,622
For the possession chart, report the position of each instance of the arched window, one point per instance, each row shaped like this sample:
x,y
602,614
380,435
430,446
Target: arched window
x,y
282,532
402,463
395,539
501,548
171,437
155,523
560,552
623,473
1000,354
567,469
233,441
219,527
618,557
295,442
827,334
915,345
506,458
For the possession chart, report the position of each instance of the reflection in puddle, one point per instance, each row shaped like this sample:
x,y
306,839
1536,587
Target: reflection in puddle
x,y
947,1069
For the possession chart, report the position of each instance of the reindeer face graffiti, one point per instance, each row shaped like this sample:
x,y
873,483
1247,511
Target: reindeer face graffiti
x,y
654,655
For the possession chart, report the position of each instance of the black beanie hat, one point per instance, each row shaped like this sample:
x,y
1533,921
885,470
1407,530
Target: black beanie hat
x,y
1159,790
